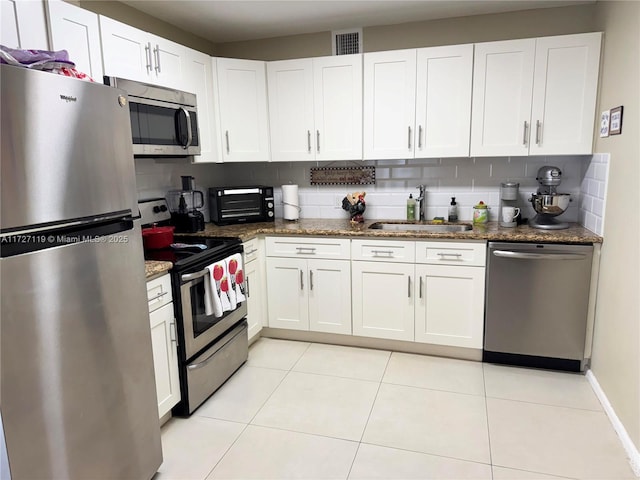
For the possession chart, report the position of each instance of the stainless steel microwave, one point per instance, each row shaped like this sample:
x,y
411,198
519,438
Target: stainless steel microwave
x,y
228,205
164,122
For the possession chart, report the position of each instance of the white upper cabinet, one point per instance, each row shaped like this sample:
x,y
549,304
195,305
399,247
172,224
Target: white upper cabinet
x,y
78,32
502,86
443,101
137,55
198,79
315,108
564,94
24,25
242,90
389,104
535,96
291,121
337,93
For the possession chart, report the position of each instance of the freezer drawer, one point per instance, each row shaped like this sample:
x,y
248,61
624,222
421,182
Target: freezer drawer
x,y
536,304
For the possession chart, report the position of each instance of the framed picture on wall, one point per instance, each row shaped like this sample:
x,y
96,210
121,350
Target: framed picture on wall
x,y
615,121
604,124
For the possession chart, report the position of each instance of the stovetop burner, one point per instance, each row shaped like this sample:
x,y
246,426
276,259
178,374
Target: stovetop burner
x,y
187,256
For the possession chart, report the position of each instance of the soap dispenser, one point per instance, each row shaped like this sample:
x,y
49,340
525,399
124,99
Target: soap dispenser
x,y
453,210
411,207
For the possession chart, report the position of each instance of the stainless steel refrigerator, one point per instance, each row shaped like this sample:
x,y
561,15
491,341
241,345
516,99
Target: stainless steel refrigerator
x,y
77,396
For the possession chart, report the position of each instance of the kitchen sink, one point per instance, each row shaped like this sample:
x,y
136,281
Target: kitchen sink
x,y
421,227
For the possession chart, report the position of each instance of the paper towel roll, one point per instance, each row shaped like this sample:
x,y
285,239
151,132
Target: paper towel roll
x,y
290,202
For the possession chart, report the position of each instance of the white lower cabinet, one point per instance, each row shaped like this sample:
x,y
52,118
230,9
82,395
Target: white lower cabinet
x,y
383,303
163,343
255,286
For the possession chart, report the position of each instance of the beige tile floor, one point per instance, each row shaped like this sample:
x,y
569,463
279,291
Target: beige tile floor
x,y
311,411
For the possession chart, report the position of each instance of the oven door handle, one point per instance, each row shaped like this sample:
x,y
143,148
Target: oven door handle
x,y
187,277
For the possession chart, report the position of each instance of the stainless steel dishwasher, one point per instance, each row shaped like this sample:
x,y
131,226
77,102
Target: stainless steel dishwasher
x,y
537,298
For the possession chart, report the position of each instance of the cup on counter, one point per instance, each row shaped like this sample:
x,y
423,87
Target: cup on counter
x,y
509,214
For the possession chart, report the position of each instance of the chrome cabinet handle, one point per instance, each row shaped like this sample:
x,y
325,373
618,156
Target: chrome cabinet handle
x,y
524,135
419,136
156,54
538,128
445,254
251,252
226,136
539,256
307,250
309,141
158,297
318,141
172,332
147,51
420,286
409,138
310,279
301,280
248,289
409,286
382,252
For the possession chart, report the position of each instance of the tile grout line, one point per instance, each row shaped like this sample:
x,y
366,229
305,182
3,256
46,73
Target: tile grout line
x,y
225,452
486,411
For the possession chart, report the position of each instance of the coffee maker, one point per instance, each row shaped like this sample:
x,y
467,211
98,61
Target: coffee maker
x,y
547,202
509,198
185,206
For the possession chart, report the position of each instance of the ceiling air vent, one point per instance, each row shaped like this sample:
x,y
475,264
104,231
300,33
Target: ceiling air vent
x,y
346,42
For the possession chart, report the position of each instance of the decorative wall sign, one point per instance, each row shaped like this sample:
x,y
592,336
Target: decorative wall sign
x,y
604,124
615,123
343,175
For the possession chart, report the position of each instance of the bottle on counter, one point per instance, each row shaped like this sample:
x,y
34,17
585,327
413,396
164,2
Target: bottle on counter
x,y
453,210
411,207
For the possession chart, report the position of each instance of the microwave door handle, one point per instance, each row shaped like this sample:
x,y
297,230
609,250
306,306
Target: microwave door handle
x,y
189,132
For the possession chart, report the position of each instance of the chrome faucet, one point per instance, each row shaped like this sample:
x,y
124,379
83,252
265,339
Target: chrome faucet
x,y
421,200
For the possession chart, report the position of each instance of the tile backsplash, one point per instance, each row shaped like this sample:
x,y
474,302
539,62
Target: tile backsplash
x,y
594,193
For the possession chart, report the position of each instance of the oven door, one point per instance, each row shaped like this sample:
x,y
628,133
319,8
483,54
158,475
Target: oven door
x,y
199,328
162,128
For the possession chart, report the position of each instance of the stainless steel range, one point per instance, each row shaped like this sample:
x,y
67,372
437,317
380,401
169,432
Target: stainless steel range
x,y
212,342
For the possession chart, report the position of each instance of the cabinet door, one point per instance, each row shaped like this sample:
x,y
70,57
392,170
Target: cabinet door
x,y
165,358
330,296
290,85
78,32
389,104
287,295
383,300
255,289
502,86
450,305
337,90
126,51
243,110
197,77
168,60
564,94
443,101
24,25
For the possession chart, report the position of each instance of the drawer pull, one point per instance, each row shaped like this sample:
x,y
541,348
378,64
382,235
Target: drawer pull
x,y
310,279
157,297
251,252
409,286
301,280
309,250
420,286
248,289
172,333
388,253
445,254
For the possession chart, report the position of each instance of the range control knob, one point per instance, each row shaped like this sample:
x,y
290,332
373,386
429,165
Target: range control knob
x,y
270,205
270,214
156,209
163,208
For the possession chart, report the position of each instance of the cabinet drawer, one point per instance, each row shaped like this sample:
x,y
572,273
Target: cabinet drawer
x,y
383,251
251,249
452,253
159,292
308,247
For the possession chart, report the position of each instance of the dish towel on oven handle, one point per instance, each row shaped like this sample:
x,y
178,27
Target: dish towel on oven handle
x,y
236,276
216,286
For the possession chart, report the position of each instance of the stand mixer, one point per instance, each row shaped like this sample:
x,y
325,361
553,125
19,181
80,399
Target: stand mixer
x,y
547,202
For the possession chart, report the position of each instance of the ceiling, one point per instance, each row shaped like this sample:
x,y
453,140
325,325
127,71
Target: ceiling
x,y
222,21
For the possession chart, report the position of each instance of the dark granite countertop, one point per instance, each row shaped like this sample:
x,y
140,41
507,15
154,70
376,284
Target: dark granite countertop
x,y
337,228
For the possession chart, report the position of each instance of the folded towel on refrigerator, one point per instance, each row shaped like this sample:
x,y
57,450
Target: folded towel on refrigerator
x,y
216,299
236,276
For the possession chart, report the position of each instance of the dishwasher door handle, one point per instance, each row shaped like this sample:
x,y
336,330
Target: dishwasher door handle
x,y
539,256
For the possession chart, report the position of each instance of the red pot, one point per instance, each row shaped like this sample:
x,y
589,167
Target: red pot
x,y
157,237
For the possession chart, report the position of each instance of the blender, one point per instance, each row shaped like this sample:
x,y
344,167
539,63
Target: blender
x,y
547,202
185,206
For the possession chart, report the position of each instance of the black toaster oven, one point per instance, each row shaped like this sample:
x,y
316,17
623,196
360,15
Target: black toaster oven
x,y
229,205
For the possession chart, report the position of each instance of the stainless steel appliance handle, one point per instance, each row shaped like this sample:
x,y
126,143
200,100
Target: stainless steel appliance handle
x,y
157,55
524,135
318,141
409,138
538,127
310,279
187,277
419,136
309,141
147,52
195,366
301,280
384,252
189,131
539,256
420,286
226,135
409,286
